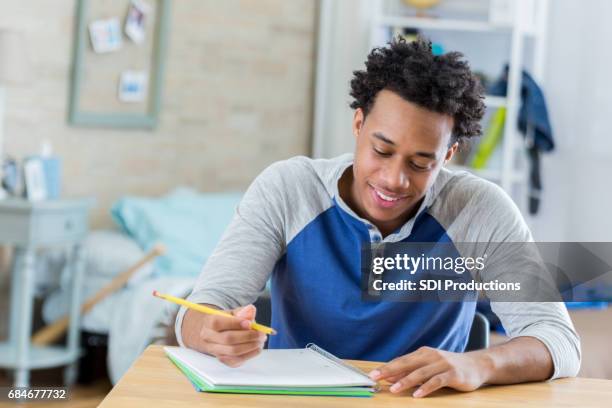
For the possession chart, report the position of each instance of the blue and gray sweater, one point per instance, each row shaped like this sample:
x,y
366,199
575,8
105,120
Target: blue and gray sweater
x,y
292,226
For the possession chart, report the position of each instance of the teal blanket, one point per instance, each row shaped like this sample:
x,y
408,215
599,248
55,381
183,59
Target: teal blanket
x,y
187,222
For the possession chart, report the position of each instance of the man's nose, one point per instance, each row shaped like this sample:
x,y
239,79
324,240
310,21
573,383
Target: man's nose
x,y
395,177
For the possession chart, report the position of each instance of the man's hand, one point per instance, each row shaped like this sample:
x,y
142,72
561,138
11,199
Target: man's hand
x,y
231,340
518,360
432,369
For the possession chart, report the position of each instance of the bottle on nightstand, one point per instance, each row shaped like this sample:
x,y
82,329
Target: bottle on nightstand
x,y
52,167
9,178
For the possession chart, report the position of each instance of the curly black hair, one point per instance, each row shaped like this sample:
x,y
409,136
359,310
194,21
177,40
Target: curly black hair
x,y
440,83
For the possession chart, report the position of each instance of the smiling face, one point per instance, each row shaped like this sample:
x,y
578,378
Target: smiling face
x,y
400,150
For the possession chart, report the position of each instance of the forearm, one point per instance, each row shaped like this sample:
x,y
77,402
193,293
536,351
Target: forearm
x,y
521,359
548,322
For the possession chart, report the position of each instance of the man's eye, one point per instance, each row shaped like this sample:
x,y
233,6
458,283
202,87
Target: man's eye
x,y
381,153
419,168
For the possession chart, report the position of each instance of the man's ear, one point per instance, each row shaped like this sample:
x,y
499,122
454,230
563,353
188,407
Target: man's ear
x,y
358,119
451,152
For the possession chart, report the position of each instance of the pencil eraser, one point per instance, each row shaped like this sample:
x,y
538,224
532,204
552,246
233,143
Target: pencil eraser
x,y
155,293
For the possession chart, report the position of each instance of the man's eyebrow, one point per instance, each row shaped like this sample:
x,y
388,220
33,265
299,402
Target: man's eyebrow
x,y
383,138
428,155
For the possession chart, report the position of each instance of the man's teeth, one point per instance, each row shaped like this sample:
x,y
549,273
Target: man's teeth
x,y
385,197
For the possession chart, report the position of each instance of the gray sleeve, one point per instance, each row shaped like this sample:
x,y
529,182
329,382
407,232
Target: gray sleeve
x,y
237,271
494,218
548,322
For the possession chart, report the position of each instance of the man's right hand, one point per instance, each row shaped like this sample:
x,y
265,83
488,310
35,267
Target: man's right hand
x,y
231,340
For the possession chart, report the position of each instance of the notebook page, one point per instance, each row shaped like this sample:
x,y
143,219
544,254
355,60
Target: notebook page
x,y
272,368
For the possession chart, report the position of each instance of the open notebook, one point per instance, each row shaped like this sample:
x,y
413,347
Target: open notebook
x,y
308,371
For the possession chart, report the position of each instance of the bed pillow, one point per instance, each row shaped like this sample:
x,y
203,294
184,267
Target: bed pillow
x,y
187,222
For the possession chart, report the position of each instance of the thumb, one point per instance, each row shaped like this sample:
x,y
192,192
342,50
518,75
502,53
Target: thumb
x,y
247,312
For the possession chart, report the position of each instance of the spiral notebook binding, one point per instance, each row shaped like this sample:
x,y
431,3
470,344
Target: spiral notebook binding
x,y
338,361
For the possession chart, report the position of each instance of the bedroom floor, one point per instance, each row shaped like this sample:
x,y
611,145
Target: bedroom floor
x,y
80,397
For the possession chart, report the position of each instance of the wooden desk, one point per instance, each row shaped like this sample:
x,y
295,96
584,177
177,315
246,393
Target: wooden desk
x,y
153,381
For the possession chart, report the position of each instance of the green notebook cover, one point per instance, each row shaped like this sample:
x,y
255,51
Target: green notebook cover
x,y
203,386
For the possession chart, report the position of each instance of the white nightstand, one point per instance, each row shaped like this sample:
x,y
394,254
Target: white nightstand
x,y
29,226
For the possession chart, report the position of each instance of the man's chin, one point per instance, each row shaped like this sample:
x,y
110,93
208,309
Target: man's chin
x,y
383,216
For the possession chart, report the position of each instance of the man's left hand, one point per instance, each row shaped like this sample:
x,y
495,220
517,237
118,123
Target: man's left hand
x,y
433,369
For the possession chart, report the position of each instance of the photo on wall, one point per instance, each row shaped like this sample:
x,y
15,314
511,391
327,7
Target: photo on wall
x,y
133,86
105,35
136,20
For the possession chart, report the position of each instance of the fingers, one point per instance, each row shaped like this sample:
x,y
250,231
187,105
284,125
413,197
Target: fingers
x,y
235,350
434,383
247,312
417,377
431,369
399,366
236,361
394,378
241,320
223,323
231,337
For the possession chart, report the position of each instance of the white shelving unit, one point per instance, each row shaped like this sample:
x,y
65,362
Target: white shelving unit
x,y
439,24
512,171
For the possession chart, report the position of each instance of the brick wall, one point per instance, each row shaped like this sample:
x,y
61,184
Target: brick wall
x,y
237,96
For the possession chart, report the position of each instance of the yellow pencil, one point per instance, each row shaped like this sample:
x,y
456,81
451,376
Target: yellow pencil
x,y
210,310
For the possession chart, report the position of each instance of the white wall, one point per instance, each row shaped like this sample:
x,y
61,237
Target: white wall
x,y
577,203
343,47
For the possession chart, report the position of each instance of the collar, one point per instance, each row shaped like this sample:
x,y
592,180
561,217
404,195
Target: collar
x,y
339,165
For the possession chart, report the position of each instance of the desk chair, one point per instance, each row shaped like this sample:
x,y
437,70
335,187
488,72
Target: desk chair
x,y
479,333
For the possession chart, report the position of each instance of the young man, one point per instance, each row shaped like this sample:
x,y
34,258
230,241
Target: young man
x,y
302,222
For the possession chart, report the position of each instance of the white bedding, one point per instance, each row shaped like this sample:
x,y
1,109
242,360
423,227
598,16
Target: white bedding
x,y
132,317
139,319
